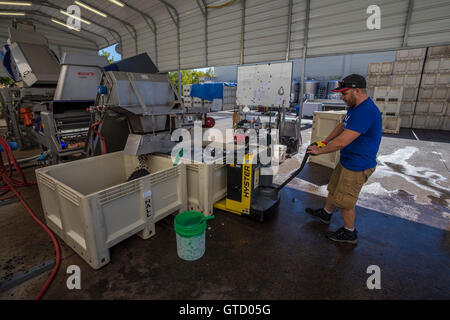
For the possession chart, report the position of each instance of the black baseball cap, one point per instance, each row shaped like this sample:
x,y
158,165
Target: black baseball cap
x,y
350,82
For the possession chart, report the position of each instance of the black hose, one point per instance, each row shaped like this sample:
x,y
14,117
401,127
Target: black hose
x,y
294,174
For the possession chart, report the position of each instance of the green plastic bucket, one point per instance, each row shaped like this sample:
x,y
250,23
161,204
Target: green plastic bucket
x,y
190,229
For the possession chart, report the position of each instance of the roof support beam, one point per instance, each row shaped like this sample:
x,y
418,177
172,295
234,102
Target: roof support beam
x,y
204,11
241,61
408,22
305,47
288,47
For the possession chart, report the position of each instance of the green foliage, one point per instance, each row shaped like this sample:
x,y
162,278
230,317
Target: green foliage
x,y
189,76
6,81
107,55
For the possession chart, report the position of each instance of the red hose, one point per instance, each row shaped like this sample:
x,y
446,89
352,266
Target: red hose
x,y
10,186
99,135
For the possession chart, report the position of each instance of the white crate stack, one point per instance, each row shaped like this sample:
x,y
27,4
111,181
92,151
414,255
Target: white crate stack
x,y
432,111
389,99
407,73
229,97
228,103
187,99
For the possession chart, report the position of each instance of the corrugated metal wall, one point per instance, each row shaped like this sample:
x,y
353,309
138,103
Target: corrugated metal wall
x,y
430,22
192,40
297,28
341,26
266,30
224,35
336,27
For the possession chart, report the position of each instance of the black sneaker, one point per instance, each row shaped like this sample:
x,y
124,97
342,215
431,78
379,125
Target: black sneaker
x,y
321,214
343,235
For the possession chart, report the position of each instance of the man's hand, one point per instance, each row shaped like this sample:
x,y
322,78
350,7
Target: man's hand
x,y
314,150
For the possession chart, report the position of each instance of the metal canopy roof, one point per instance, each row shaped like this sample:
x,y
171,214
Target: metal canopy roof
x,y
182,34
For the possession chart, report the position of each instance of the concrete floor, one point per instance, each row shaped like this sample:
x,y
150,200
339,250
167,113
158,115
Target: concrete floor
x,y
403,219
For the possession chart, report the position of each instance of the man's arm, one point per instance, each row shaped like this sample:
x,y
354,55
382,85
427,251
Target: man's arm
x,y
341,141
336,132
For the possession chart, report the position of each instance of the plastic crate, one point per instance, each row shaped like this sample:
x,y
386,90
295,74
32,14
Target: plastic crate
x,y
206,184
389,108
388,99
380,68
446,123
391,124
407,107
439,52
378,80
406,80
431,108
430,80
410,54
197,102
187,90
406,121
90,205
422,107
323,123
408,67
428,94
427,122
410,94
436,65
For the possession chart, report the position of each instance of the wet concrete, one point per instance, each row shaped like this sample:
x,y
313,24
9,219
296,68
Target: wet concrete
x,y
285,257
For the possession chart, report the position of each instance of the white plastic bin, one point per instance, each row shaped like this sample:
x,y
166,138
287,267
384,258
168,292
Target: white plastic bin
x,y
206,184
391,124
323,123
90,205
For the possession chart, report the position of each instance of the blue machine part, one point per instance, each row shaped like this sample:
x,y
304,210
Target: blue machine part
x,y
209,91
13,146
8,63
102,90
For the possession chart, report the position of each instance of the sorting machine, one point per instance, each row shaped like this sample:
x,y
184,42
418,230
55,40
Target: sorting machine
x,y
47,105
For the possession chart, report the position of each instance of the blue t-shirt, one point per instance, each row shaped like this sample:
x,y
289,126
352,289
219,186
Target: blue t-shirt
x,y
361,153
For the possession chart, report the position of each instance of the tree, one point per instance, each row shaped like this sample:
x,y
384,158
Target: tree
x,y
189,76
107,55
6,81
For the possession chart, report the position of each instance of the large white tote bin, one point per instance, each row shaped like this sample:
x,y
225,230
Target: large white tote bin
x,y
90,205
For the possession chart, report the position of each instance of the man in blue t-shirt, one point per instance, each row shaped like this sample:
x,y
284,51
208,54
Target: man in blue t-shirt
x,y
358,139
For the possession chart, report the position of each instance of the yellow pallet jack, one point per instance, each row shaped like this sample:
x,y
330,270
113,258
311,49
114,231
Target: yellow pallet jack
x,y
251,194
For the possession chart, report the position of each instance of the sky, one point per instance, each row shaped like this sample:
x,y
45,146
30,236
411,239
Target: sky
x,y
113,52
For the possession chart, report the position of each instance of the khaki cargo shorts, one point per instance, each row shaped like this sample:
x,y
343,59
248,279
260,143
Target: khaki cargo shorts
x,y
345,185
